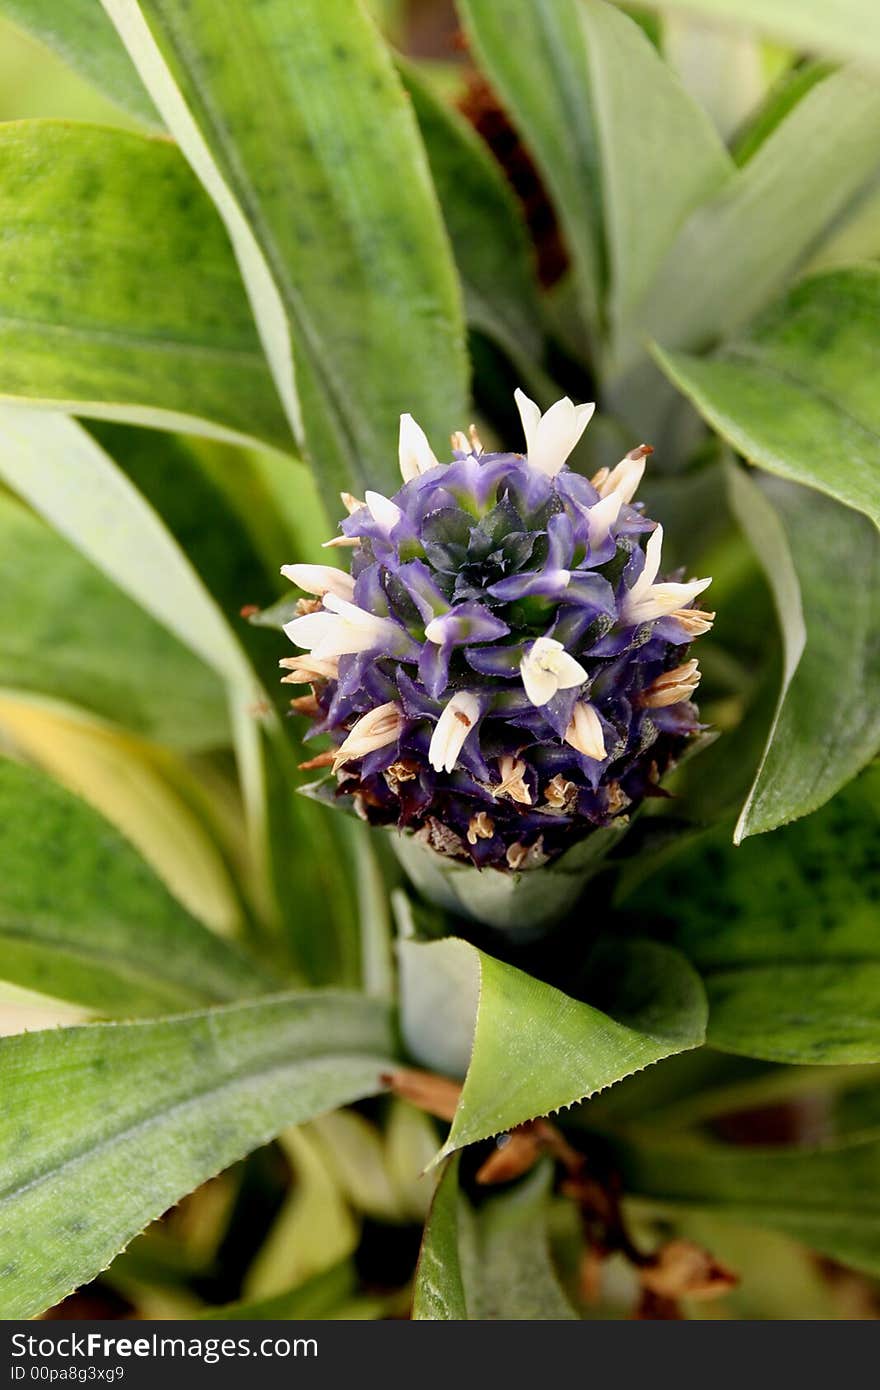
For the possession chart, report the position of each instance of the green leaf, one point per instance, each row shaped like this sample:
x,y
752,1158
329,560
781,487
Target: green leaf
x,y
314,1228
151,796
856,238
311,868
658,152
80,32
827,1197
797,394
534,1049
439,1294
846,28
535,58
822,562
340,244
491,1264
60,470
567,70
302,855
783,930
742,246
104,1127
67,631
182,481
82,918
374,917
119,294
330,1296
490,241
789,89
724,73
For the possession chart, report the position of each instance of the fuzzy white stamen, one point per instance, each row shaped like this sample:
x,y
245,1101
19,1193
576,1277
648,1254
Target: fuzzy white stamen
x,y
453,727
416,454
547,668
551,437
584,733
320,580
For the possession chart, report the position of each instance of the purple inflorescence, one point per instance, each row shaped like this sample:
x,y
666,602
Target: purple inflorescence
x,y
501,671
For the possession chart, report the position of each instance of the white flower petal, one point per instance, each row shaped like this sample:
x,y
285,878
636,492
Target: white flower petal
x,y
583,414
384,512
659,600
340,629
602,516
540,685
546,668
646,600
416,454
550,438
350,611
311,629
626,476
530,414
569,672
320,579
584,733
453,727
376,729
653,551
351,503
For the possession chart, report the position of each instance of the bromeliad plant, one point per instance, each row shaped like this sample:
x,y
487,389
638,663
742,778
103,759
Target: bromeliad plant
x,y
550,960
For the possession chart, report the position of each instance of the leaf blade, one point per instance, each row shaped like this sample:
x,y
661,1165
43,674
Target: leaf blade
x,y
847,29
80,33
54,628
149,1111
793,976
346,262
831,554
528,1048
794,394
744,245
102,931
120,295
826,1197
493,1263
